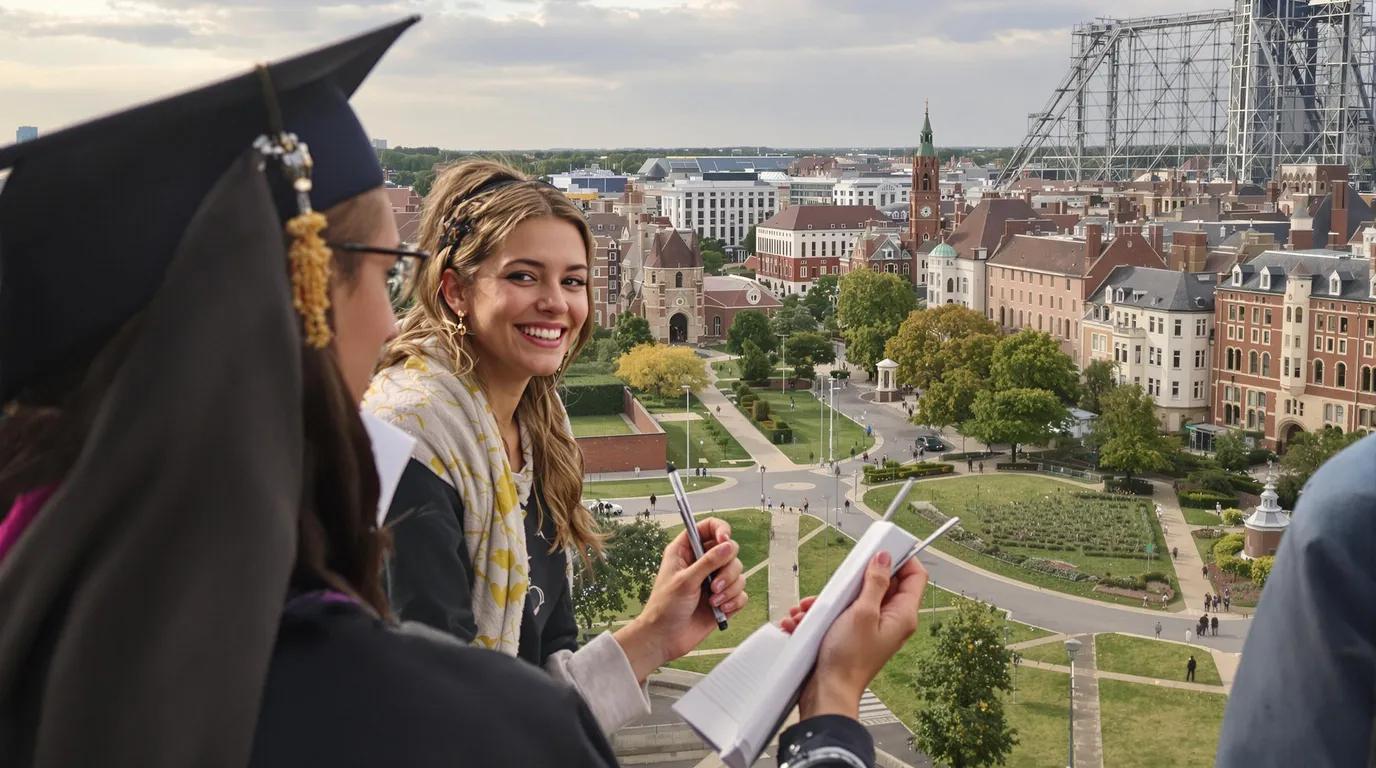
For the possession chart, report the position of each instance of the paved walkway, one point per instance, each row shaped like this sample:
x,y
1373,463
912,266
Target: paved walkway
x,y
1188,566
765,453
783,556
1084,702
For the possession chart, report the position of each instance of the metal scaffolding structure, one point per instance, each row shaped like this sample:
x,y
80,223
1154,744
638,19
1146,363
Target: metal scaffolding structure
x,y
1232,93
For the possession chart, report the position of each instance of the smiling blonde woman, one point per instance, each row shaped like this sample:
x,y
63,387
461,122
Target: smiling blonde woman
x,y
489,507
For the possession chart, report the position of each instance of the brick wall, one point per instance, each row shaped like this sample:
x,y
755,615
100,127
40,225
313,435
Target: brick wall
x,y
622,453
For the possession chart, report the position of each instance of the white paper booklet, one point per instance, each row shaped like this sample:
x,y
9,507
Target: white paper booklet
x,y
739,706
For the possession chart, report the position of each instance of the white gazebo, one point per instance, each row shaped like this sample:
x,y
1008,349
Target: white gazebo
x,y
1267,523
888,388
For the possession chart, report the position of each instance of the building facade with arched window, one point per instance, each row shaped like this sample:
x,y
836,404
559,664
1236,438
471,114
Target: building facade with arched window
x,y
1308,319
671,288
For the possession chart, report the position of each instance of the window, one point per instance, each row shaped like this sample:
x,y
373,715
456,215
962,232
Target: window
x,y
1198,389
1342,325
1175,390
1318,371
1330,344
1179,328
1199,358
678,279
1232,311
1299,314
1318,343
1340,374
1366,378
1330,323
1200,327
1175,359
1265,363
1256,314
1267,315
1252,360
1288,314
1342,346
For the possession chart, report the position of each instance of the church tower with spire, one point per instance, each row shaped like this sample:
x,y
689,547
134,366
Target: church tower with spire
x,y
925,218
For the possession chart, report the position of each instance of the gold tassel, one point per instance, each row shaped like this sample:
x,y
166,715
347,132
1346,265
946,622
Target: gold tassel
x,y
310,276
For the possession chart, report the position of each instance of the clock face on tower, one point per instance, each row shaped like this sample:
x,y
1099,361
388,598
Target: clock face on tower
x,y
925,211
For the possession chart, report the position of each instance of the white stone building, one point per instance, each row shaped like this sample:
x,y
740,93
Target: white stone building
x,y
725,210
1157,325
953,280
878,192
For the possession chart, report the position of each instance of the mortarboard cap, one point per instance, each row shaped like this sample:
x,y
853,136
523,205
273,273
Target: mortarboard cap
x,y
91,215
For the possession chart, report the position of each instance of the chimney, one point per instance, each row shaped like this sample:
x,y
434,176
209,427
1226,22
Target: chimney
x,y
1094,241
1189,251
1027,196
959,209
1156,235
1338,221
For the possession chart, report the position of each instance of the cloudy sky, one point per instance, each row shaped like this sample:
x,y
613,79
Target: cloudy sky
x,y
514,74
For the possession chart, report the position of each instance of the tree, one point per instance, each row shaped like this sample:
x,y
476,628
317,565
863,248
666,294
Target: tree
x,y
712,261
962,723
820,300
931,342
1129,438
791,318
1015,416
631,331
1230,452
749,242
1034,360
1305,454
662,369
804,351
627,568
870,307
750,325
755,365
951,399
1095,382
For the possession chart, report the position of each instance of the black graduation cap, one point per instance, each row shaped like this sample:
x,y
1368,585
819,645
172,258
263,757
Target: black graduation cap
x,y
91,215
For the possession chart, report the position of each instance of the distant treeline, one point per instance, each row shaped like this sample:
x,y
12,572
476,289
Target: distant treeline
x,y
416,166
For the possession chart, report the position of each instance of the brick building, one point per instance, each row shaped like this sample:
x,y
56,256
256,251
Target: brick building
x,y
671,292
879,248
1041,282
726,296
1296,343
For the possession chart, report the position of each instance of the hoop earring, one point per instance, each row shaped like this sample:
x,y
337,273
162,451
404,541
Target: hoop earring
x,y
462,327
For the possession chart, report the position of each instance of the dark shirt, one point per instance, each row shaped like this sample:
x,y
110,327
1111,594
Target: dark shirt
x,y
346,690
430,573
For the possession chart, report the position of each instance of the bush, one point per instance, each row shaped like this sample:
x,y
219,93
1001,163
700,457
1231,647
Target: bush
x,y
1233,516
760,410
1228,546
1235,566
1135,486
889,474
1259,456
1202,499
1261,570
962,456
780,433
593,399
1215,480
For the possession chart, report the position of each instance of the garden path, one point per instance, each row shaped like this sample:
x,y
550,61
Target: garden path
x,y
1189,568
1086,728
765,453
783,557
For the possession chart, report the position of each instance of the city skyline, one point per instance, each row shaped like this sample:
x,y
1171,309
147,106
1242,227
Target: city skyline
x,y
534,74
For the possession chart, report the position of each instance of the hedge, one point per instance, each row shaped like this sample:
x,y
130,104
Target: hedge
x,y
593,399
760,410
780,433
888,474
1233,516
1229,545
962,456
1135,486
1203,499
1261,570
1018,466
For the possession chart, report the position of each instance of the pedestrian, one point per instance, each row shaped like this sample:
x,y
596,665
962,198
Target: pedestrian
x,y
795,569
1189,669
1163,599
768,502
1207,602
1205,569
969,465
981,467
805,504
1217,601
1227,603
1175,552
1213,625
1158,630
1144,601
1227,591
652,501
922,452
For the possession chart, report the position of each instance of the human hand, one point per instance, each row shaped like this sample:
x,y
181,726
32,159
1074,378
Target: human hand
x,y
678,614
863,638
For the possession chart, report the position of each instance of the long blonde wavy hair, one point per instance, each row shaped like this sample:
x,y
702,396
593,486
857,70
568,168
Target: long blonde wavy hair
x,y
430,323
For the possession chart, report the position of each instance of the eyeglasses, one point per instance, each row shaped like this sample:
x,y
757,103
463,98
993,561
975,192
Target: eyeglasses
x,y
402,277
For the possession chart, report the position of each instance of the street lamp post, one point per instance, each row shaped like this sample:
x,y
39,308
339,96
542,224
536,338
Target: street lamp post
x,y
761,487
1072,647
783,360
687,429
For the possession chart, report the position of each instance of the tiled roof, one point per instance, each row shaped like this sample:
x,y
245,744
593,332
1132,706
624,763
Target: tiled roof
x,y
803,217
1314,265
983,228
731,291
1061,255
1161,289
670,251
608,224
1358,214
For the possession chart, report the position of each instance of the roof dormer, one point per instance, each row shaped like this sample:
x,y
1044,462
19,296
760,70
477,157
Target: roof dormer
x,y
1265,278
1237,276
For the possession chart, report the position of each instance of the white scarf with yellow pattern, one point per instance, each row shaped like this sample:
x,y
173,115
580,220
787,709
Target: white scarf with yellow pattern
x,y
457,438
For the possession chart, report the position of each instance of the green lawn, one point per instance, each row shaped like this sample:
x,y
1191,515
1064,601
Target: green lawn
x,y
699,664
705,443
807,524
809,441
600,426
971,498
818,558
1200,517
1047,653
1145,726
627,489
1152,658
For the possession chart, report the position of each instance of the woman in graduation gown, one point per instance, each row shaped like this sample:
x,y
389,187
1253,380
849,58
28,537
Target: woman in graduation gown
x,y
488,517
189,567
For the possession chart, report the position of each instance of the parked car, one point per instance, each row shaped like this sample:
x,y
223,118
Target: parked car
x,y
932,443
600,507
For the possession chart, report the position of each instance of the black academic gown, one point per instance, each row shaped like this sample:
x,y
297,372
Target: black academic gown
x,y
430,574
344,689
1305,692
